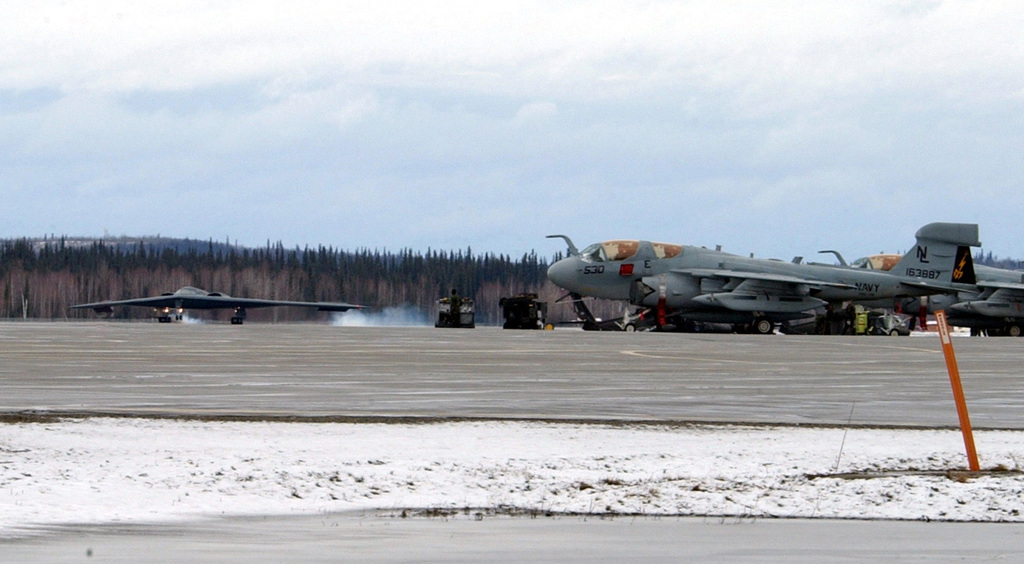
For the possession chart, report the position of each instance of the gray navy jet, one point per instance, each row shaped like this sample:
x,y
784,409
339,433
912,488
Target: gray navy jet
x,y
172,305
995,305
689,284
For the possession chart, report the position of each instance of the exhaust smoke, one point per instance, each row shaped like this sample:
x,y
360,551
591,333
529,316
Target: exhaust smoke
x,y
401,316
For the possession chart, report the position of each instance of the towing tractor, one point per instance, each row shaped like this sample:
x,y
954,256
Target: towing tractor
x,y
523,311
456,312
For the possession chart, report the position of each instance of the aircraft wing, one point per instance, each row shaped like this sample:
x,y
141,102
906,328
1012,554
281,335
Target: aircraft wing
x,y
760,291
107,306
212,301
1011,286
760,276
226,302
933,287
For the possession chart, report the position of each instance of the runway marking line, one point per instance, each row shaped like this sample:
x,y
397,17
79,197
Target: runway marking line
x,y
893,347
758,362
684,357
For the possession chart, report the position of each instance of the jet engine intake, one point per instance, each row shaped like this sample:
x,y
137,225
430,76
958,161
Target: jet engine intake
x,y
676,289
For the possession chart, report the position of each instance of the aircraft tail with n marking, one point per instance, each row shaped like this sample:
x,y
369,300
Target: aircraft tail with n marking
x,y
941,256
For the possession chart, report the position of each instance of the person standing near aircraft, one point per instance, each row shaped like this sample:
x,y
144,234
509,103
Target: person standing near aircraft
x,y
850,320
455,309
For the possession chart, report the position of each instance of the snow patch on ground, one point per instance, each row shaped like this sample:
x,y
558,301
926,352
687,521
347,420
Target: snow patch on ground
x,y
102,470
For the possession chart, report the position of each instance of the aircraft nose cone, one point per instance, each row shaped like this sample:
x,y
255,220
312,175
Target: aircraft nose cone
x,y
563,273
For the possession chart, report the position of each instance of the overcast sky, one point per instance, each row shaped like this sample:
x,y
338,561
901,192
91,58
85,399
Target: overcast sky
x,y
777,128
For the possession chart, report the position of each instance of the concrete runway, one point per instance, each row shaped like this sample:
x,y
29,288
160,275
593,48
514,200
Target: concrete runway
x,y
321,371
324,372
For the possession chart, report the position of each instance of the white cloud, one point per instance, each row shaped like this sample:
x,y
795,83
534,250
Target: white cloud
x,y
690,105
536,112
114,46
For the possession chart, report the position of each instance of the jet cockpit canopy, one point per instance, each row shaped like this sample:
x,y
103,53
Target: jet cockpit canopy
x,y
190,291
881,261
625,249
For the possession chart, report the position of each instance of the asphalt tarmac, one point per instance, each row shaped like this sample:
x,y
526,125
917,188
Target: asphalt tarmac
x,y
322,372
315,372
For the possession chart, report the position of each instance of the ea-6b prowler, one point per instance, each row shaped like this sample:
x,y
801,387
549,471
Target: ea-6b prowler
x,y
995,306
696,284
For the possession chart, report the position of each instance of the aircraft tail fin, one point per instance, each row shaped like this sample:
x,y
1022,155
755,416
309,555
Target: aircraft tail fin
x,y
941,255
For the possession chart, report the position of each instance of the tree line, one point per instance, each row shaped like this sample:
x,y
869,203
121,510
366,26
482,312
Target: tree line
x,y
41,279
988,259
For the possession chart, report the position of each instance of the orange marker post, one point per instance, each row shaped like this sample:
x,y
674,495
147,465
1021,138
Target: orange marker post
x,y
958,390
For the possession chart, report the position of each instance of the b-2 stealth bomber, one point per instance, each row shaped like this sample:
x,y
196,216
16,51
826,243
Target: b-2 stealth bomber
x,y
172,305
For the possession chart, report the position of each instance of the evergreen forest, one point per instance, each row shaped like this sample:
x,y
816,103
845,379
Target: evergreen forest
x,y
41,278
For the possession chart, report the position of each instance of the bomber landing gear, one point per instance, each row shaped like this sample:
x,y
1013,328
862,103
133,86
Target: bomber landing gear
x,y
168,314
239,316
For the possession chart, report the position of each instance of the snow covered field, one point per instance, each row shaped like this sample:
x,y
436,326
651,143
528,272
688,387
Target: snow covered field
x,y
108,470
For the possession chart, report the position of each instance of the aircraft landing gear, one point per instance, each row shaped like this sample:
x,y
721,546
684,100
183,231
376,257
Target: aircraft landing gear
x,y
762,326
167,314
239,316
